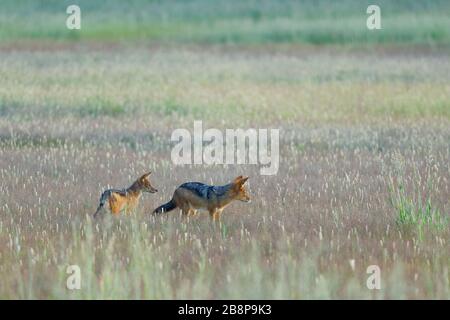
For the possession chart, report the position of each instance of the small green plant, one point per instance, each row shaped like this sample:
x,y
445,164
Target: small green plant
x,y
413,211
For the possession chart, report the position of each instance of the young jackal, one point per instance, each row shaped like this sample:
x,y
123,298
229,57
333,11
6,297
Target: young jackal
x,y
191,196
125,199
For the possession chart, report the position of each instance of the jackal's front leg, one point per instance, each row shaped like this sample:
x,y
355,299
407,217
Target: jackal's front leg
x,y
130,208
215,214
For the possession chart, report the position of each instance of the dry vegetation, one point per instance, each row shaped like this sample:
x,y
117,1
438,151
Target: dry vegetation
x,y
364,172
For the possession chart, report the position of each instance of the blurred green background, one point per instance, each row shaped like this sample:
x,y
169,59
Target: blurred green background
x,y
231,21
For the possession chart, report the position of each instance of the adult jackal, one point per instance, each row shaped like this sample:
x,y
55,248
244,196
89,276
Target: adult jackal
x,y
191,196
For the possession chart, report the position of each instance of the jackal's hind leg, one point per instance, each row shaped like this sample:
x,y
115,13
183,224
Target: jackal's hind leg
x,y
130,209
115,206
185,210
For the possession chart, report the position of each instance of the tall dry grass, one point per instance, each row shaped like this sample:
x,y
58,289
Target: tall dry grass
x,y
74,123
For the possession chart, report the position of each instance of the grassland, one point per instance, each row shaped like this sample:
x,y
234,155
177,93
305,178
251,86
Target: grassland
x,y
364,173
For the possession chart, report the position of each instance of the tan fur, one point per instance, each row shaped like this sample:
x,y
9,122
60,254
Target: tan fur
x,y
127,203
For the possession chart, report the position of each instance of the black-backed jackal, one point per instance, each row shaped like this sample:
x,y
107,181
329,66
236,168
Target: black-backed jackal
x,y
125,199
191,196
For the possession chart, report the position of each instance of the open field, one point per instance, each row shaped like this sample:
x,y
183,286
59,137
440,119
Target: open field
x,y
74,123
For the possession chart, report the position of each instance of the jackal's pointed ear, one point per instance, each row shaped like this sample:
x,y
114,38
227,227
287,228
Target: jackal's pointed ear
x,y
237,179
240,180
145,175
243,180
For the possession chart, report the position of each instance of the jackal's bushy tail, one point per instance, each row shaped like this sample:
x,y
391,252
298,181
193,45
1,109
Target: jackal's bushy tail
x,y
169,206
103,199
